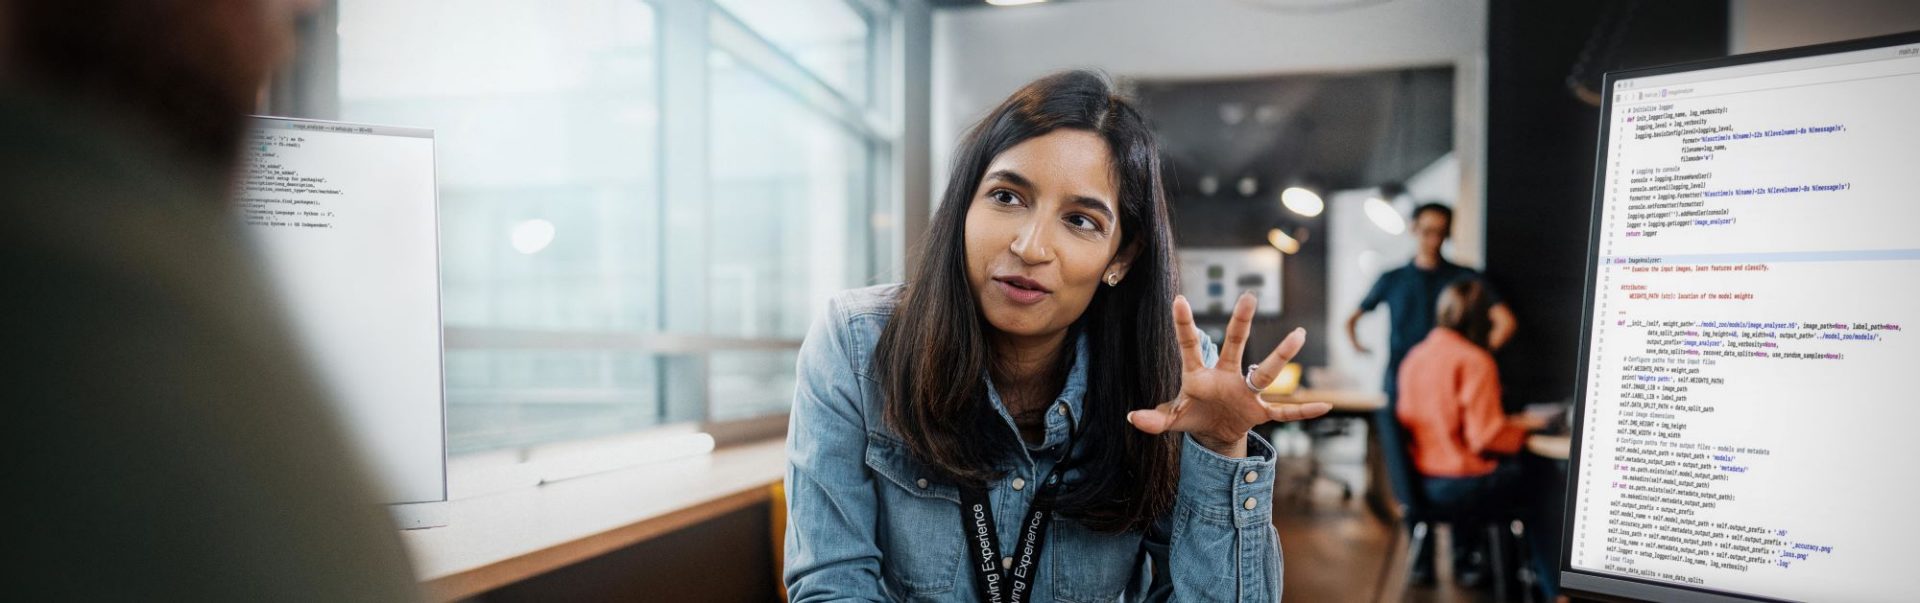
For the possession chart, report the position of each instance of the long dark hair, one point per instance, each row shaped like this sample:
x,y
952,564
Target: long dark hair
x,y
932,356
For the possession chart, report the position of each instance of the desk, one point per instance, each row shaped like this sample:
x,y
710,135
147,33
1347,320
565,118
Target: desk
x,y
1354,404
1344,401
1556,447
497,539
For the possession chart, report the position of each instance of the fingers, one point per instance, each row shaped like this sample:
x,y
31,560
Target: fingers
x,y
1237,329
1278,358
1156,420
1297,412
1187,335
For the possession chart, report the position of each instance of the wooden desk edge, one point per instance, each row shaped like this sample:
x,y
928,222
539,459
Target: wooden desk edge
x,y
1556,447
471,582
1343,401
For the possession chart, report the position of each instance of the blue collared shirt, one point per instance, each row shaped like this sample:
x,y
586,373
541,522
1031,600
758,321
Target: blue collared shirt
x,y
866,521
1411,294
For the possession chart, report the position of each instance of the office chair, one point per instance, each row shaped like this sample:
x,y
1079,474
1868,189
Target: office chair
x,y
1418,517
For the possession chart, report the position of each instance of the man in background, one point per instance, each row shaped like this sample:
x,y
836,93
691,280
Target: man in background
x,y
164,441
1411,293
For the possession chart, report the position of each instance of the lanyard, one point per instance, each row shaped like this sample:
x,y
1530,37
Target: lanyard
x,y
1013,583
998,583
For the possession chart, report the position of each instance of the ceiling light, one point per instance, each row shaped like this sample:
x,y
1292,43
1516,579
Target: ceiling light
x,y
1302,201
1233,113
1384,216
1266,114
1282,242
1209,185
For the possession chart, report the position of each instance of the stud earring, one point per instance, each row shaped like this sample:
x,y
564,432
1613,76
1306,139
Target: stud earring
x,y
1113,279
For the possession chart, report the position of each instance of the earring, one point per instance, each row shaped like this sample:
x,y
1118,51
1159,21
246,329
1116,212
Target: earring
x,y
1113,279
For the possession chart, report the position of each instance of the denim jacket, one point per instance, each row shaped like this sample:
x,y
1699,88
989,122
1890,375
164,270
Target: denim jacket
x,y
868,522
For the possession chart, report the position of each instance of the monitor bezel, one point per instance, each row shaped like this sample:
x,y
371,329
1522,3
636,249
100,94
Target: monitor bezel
x,y
1589,582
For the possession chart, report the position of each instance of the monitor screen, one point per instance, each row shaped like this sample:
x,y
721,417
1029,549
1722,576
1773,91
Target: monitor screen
x,y
1752,323
344,219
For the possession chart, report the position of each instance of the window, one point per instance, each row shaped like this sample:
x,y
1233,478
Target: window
x,y
828,37
560,198
789,197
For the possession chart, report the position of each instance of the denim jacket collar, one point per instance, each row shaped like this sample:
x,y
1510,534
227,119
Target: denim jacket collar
x,y
1073,395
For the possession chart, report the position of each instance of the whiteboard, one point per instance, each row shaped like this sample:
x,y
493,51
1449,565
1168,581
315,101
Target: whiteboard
x,y
344,218
1213,278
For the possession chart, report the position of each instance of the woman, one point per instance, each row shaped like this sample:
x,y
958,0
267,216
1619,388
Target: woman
x,y
1035,417
1462,444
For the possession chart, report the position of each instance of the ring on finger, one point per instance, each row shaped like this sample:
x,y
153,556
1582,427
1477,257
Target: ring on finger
x,y
1250,369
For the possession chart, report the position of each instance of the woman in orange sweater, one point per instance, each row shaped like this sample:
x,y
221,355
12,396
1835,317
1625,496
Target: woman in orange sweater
x,y
1458,430
1461,442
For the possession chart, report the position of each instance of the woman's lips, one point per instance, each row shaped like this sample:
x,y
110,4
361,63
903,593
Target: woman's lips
x,y
1020,296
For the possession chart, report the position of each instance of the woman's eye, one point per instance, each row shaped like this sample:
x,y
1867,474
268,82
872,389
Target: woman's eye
x,y
1004,198
1083,222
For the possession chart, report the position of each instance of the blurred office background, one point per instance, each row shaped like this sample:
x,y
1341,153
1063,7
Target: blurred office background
x,y
644,203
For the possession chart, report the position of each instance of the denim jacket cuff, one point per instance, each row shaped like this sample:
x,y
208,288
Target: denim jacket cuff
x,y
1223,489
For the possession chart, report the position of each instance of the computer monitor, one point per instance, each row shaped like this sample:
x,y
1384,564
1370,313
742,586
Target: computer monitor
x,y
345,221
1746,403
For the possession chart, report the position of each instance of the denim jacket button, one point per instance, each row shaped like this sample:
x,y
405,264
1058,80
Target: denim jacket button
x,y
922,483
1006,562
1019,484
1252,475
1250,503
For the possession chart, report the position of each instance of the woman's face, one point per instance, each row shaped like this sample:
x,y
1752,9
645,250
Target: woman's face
x,y
1043,232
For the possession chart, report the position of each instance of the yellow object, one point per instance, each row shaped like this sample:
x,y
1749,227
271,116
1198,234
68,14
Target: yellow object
x,y
1282,242
777,513
1288,380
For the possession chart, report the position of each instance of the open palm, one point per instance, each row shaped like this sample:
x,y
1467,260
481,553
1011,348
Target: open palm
x,y
1215,406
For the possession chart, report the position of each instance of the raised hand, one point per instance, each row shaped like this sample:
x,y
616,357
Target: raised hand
x,y
1215,406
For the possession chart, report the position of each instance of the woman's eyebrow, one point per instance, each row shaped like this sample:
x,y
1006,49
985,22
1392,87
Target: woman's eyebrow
x,y
1010,176
1093,204
1090,203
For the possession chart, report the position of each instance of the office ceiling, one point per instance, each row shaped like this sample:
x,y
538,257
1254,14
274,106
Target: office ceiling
x,y
1333,131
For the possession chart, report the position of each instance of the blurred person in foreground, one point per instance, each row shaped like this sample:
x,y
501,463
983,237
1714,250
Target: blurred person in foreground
x,y
1464,448
165,442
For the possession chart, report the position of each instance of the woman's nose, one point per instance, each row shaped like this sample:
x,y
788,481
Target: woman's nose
x,y
1032,245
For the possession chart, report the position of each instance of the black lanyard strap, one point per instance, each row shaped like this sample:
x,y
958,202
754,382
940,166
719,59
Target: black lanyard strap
x,y
996,581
